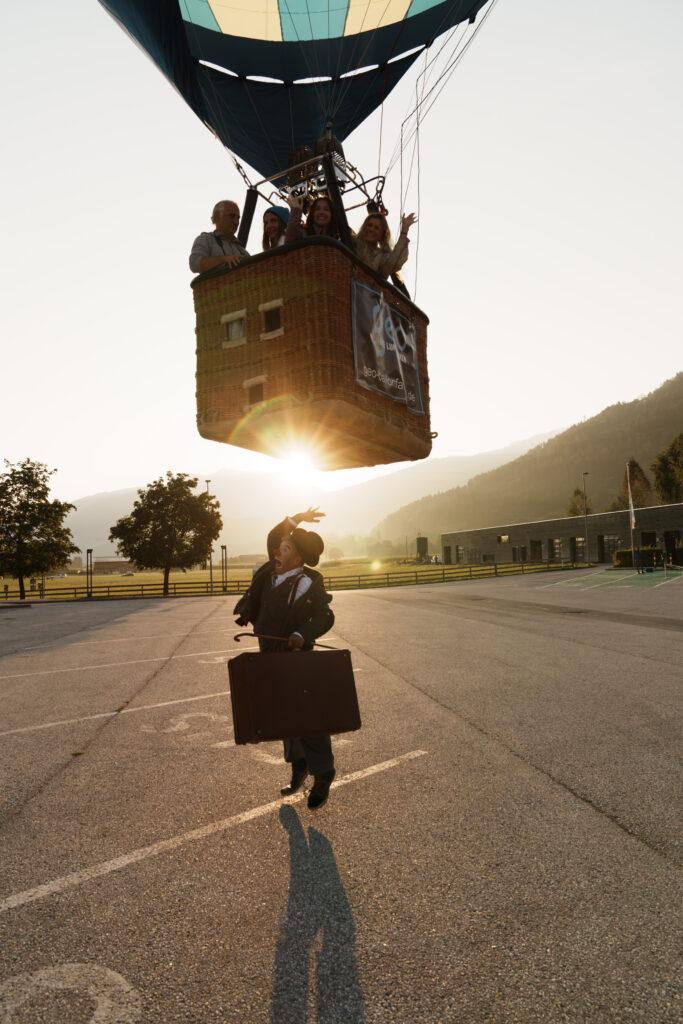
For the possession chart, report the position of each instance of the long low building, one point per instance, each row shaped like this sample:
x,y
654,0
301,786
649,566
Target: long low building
x,y
564,540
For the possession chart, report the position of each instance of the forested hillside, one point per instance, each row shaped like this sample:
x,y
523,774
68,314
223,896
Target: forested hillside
x,y
539,484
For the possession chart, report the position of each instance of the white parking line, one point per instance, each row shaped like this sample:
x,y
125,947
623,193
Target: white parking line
x,y
119,664
112,714
572,583
127,639
56,644
664,582
107,867
613,581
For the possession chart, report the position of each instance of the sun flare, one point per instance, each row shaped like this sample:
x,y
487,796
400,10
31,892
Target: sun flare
x,y
301,464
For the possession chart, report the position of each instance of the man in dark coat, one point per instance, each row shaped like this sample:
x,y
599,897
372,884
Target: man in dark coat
x,y
288,600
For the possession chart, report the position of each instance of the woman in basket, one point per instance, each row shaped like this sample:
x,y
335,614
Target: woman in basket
x,y
320,220
373,244
274,226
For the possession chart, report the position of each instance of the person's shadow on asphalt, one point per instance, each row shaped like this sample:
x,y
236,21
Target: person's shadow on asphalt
x,y
317,904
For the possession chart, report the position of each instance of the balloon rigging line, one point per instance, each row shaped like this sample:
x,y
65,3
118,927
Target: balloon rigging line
x,y
381,129
291,120
427,72
424,75
404,194
313,72
452,61
436,33
215,109
417,240
260,121
357,56
447,73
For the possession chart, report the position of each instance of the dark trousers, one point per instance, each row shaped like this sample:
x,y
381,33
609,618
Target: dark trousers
x,y
315,752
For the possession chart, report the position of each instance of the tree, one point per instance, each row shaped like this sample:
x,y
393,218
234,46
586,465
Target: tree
x,y
169,527
576,507
668,472
33,538
641,489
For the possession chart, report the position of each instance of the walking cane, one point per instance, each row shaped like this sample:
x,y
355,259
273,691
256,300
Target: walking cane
x,y
282,639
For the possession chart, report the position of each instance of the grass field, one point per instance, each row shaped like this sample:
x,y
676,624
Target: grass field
x,y
349,574
238,573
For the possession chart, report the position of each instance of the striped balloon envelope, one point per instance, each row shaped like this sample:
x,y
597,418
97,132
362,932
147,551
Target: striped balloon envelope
x,y
267,76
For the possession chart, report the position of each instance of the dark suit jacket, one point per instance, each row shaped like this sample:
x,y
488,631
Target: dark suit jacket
x,y
310,615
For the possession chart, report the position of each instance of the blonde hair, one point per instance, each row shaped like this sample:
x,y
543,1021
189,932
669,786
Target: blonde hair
x,y
384,244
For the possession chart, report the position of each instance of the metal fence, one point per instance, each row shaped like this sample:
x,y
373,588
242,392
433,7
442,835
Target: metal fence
x,y
203,588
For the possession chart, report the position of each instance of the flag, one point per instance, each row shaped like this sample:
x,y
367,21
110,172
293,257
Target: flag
x,y
630,499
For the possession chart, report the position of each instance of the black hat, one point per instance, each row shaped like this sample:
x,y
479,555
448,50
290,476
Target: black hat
x,y
309,545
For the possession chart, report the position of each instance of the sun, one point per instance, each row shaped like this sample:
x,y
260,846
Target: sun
x,y
299,462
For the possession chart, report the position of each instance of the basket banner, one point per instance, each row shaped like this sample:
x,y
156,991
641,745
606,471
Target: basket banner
x,y
385,348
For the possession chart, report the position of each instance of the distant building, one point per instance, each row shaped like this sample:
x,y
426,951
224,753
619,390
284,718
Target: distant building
x,y
563,540
422,549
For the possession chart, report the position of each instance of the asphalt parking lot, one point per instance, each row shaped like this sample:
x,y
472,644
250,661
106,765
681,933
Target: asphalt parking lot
x,y
502,842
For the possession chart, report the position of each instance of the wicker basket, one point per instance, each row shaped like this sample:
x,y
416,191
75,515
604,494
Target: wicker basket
x,y
275,361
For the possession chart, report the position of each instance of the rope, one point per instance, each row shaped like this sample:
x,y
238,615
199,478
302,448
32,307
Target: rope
x,y
260,121
415,144
312,72
454,60
417,240
358,55
425,75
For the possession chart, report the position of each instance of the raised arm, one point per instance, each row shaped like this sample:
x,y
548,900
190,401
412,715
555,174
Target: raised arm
x,y
392,261
294,229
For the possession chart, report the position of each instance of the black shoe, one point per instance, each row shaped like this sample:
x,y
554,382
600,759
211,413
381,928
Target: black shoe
x,y
299,773
321,790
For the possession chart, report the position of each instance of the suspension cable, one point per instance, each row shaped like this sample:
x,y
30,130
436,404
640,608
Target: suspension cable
x,y
437,88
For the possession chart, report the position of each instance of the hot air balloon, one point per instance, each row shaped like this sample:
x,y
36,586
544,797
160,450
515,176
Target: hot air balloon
x,y
303,344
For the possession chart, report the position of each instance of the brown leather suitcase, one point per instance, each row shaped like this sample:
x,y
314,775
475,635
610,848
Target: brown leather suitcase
x,y
292,694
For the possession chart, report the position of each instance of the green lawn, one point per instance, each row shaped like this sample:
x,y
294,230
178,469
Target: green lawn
x,y
237,572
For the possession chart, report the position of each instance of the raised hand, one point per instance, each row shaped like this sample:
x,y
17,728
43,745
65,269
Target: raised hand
x,y
407,223
311,515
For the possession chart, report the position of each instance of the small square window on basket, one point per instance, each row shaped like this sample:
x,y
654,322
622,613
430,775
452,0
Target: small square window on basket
x,y
235,328
254,391
272,320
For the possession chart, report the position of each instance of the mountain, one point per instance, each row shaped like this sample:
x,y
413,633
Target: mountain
x,y
538,485
250,500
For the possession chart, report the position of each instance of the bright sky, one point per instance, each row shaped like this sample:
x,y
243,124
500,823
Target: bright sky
x,y
551,219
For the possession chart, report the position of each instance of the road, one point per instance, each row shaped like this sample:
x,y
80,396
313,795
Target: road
x,y
502,842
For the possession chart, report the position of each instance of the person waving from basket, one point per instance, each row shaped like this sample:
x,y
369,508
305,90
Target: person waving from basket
x,y
373,243
319,221
289,609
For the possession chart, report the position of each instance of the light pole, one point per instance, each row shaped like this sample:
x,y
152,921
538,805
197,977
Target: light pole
x,y
210,551
585,520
